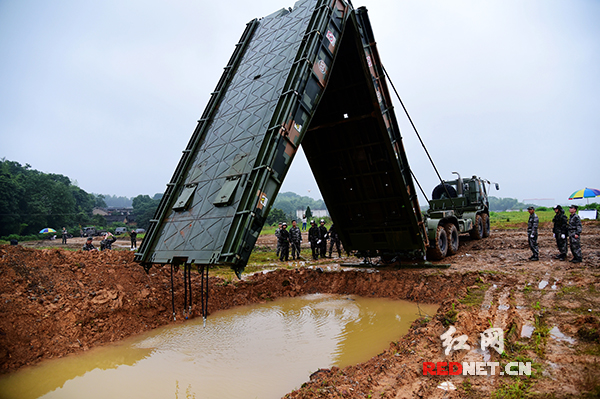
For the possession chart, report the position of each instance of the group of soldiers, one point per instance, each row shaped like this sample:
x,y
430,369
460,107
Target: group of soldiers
x,y
105,244
107,241
561,230
317,236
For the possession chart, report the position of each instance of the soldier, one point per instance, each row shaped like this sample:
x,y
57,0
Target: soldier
x,y
560,230
313,238
283,241
323,237
107,242
89,246
295,240
532,233
334,238
277,236
575,234
133,237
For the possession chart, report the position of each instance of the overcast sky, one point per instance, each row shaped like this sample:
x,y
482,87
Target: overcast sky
x,y
108,93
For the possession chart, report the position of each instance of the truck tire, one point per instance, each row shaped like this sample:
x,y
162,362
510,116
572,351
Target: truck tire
x,y
486,224
477,232
452,236
440,245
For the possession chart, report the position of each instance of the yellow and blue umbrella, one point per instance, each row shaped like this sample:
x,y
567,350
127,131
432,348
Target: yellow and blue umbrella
x,y
47,230
585,193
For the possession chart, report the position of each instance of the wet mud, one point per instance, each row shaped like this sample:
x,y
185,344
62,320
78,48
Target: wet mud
x,y
55,302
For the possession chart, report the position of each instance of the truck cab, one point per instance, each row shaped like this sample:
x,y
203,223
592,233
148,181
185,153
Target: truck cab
x,y
457,206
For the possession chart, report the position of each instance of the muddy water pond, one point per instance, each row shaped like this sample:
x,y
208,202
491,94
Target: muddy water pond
x,y
258,351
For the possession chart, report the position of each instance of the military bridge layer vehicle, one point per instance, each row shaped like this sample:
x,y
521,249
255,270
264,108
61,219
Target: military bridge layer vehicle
x,y
307,76
457,206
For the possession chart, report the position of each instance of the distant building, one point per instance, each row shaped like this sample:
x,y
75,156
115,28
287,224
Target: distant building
x,y
319,213
112,215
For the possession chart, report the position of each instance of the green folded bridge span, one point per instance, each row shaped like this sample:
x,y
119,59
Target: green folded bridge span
x,y
307,76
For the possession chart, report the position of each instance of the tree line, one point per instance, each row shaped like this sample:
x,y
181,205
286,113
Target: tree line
x,y
31,200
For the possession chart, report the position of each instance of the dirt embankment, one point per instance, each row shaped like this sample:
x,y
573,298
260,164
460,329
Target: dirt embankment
x,y
55,302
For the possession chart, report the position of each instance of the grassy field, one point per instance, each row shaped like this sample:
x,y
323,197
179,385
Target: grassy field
x,y
513,220
498,220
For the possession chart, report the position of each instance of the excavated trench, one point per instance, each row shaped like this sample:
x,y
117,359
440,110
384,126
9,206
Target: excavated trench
x,y
55,302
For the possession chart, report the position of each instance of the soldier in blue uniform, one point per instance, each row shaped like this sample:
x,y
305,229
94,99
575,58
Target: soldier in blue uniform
x,y
575,228
560,230
532,233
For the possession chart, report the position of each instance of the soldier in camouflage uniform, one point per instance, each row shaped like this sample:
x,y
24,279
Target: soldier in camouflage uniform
x,y
314,239
323,235
560,230
575,234
283,241
107,242
277,236
89,246
334,239
532,233
133,237
295,240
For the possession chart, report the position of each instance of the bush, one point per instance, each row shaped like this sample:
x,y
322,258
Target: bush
x,y
30,237
593,205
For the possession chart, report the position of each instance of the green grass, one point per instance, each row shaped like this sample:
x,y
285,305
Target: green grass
x,y
475,296
540,335
263,258
450,316
512,220
515,390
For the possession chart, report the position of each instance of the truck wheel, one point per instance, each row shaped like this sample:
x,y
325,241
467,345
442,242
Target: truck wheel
x,y
452,235
486,224
440,246
477,232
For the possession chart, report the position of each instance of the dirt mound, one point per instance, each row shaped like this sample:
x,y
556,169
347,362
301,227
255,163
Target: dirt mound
x,y
54,302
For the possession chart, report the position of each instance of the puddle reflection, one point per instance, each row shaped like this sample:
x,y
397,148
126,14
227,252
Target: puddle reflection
x,y
261,351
